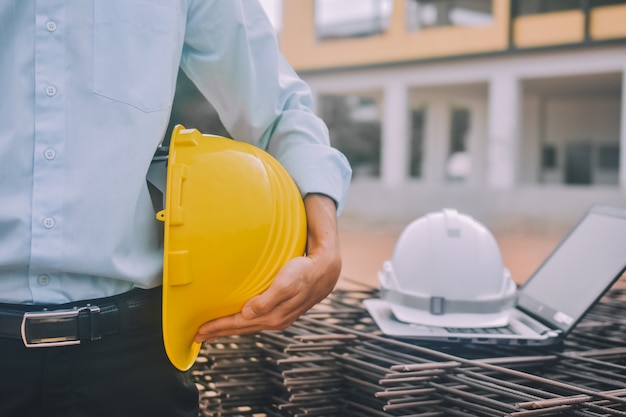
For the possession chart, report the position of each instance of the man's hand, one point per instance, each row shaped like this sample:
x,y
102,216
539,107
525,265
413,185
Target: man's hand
x,y
299,285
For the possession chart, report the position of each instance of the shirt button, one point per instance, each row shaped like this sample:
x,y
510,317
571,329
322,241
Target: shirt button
x,y
51,91
48,222
49,154
43,280
51,26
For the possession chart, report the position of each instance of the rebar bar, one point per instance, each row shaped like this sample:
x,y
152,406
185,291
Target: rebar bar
x,y
334,361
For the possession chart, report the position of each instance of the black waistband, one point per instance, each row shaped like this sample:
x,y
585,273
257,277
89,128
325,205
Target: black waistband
x,y
87,320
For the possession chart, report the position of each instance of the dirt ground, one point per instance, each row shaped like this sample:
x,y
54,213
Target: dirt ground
x,y
366,246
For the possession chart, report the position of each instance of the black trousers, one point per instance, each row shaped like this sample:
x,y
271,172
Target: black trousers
x,y
126,374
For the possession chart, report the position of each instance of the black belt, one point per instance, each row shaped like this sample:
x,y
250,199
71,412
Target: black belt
x,y
72,323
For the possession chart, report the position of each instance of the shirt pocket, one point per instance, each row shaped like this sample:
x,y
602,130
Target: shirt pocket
x,y
136,52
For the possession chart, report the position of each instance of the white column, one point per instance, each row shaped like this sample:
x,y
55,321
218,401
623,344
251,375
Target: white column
x,y
477,142
394,140
437,136
622,134
503,131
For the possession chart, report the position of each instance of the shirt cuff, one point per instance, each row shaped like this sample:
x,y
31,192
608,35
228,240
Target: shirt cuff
x,y
319,169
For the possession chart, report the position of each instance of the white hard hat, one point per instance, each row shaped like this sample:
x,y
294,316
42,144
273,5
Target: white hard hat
x,y
446,270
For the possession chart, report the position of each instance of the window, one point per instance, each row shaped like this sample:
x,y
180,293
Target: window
x,y
423,14
459,127
417,142
548,157
599,3
608,157
526,7
355,130
458,165
578,162
351,18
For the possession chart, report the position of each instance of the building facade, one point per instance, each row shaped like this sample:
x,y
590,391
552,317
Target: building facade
x,y
513,111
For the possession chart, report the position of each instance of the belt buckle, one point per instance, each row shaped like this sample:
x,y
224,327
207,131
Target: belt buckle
x,y
53,316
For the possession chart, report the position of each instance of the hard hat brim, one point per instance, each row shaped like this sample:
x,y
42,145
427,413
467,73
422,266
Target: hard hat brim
x,y
458,320
385,319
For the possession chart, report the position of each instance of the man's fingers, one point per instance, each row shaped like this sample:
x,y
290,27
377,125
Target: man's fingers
x,y
276,308
251,319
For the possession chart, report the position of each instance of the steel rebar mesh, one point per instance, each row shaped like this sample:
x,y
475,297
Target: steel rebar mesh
x,y
334,361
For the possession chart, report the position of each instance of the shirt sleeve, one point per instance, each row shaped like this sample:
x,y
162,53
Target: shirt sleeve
x,y
232,55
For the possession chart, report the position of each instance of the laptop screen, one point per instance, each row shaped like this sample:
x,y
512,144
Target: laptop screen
x,y
579,271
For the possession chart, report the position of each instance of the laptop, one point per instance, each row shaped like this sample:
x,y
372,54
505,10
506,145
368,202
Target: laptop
x,y
580,270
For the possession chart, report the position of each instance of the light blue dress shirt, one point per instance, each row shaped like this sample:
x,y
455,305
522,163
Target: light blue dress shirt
x,y
87,88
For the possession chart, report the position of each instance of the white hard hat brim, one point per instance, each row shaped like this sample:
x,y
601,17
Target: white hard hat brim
x,y
461,320
385,319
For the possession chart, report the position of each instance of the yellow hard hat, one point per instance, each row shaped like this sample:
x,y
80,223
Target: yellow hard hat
x,y
233,217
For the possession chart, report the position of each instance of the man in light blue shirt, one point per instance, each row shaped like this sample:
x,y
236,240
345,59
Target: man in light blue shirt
x,y
87,90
